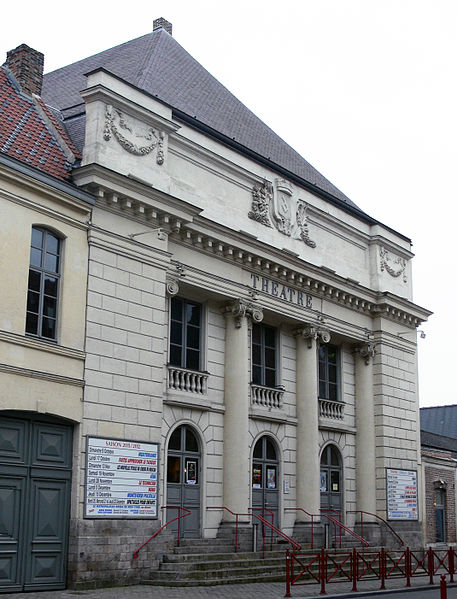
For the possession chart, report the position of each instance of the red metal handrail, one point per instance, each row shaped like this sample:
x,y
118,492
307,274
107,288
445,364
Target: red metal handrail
x,y
341,526
178,518
300,509
279,532
379,518
223,507
265,509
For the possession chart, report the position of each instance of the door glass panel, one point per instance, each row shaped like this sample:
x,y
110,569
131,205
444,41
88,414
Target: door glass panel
x,y
191,472
271,477
191,441
257,476
174,469
335,458
335,482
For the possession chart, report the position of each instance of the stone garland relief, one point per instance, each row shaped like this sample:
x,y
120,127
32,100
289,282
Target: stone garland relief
x,y
135,137
394,266
279,207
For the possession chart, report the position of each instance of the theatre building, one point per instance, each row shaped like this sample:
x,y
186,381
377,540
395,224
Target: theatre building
x,y
246,341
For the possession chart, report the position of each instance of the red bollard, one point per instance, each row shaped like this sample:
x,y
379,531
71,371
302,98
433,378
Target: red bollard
x,y
443,587
287,574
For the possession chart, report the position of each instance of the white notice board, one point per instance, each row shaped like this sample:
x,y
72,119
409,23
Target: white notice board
x,y
121,479
402,494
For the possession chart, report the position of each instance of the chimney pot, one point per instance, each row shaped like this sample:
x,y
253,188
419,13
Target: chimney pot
x,y
26,64
164,24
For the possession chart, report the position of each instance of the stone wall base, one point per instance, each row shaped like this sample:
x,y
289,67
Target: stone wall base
x,y
101,552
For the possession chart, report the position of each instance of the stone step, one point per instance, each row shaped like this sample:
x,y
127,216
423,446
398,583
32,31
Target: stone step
x,y
218,555
220,573
246,562
217,581
202,549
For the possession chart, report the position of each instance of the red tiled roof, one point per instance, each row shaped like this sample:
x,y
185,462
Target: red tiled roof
x,y
25,136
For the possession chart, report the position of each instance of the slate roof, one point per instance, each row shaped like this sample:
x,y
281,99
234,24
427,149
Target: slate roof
x,y
440,420
158,65
432,441
26,136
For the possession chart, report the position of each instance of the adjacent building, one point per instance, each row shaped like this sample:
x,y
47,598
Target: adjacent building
x,y
244,340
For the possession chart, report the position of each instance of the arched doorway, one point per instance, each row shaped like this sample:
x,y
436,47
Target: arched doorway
x,y
35,481
331,480
184,479
265,479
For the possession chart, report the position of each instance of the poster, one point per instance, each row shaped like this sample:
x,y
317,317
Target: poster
x,y
191,472
121,479
323,482
271,478
257,476
402,501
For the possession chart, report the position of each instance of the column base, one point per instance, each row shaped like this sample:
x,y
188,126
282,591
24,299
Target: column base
x,y
244,537
310,536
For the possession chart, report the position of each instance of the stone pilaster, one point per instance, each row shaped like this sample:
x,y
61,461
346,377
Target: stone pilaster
x,y
308,492
365,436
236,419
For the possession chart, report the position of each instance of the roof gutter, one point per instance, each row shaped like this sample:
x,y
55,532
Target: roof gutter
x,y
38,175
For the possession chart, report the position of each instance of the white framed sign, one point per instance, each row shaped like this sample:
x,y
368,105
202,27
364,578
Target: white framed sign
x,y
121,479
402,499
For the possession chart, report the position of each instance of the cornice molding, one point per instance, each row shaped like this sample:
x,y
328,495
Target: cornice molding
x,y
67,352
45,376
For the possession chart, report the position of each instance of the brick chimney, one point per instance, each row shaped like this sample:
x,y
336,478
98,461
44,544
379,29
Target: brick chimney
x,y
26,64
163,24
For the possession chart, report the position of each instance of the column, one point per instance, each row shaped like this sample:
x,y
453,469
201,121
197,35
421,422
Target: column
x,y
236,418
307,461
365,435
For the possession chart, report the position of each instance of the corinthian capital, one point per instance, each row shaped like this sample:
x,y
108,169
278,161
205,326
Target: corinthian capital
x,y
241,308
312,333
366,351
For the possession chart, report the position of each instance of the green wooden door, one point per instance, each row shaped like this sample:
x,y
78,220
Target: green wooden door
x,y
35,478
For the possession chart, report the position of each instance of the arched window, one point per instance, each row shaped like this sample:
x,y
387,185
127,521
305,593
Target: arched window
x,y
43,288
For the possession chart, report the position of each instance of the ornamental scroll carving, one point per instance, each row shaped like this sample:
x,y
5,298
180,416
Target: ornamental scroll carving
x,y
280,208
367,352
241,308
312,333
132,135
394,266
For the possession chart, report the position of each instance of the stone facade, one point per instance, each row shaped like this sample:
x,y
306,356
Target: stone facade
x,y
286,282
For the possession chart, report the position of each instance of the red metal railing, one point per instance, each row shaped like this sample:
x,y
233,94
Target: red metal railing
x,y
179,517
362,512
263,510
326,567
300,509
336,523
223,507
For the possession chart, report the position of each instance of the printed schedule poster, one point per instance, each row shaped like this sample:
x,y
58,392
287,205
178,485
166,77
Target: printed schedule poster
x,y
121,479
401,494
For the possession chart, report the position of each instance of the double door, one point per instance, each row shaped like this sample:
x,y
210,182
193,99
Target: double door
x,y
35,479
265,480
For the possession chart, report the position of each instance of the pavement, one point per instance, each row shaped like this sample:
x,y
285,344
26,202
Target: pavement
x,y
272,590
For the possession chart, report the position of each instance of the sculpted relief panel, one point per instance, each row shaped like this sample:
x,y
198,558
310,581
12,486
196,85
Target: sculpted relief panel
x,y
134,136
277,206
394,265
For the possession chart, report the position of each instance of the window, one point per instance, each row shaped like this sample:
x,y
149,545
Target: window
x,y
264,355
328,372
185,334
43,288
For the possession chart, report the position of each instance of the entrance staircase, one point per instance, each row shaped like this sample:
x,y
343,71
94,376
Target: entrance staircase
x,y
207,562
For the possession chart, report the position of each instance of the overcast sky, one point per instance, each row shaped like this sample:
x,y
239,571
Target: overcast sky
x,y
365,90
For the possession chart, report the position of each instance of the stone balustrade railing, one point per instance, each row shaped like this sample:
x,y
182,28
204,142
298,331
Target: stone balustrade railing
x,y
331,409
191,381
266,397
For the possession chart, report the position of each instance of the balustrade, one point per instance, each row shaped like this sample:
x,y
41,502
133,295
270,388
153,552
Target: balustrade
x,y
191,381
266,397
331,409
